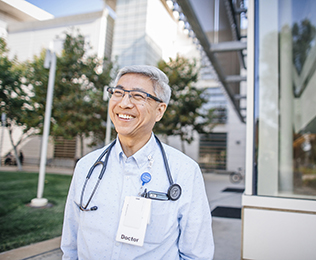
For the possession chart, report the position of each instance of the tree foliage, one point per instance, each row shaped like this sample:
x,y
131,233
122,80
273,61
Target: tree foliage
x,y
78,105
185,113
15,99
303,34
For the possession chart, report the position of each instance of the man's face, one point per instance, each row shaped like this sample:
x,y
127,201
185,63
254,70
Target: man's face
x,y
132,119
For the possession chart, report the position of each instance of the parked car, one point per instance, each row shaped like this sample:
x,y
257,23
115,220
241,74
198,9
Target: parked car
x,y
9,159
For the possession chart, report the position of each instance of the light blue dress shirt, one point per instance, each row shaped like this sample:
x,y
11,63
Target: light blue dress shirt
x,y
179,229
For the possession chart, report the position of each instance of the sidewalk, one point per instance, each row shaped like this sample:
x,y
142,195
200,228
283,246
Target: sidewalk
x,y
227,231
31,168
48,250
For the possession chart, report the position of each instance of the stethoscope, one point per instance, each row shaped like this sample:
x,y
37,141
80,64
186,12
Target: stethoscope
x,y
173,193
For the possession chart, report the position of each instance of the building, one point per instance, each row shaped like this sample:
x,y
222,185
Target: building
x,y
279,203
18,12
144,32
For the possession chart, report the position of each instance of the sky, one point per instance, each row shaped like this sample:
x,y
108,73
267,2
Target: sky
x,y
60,8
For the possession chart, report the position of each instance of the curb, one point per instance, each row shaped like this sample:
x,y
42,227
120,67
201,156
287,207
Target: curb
x,y
31,250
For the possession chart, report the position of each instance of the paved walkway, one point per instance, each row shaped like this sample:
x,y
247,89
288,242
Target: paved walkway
x,y
46,250
227,231
28,168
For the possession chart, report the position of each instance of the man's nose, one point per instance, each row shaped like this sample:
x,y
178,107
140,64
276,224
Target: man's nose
x,y
126,100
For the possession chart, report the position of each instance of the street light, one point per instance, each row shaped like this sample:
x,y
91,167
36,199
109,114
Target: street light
x,y
108,119
50,62
3,118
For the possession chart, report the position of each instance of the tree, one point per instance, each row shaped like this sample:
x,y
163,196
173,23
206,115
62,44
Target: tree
x,y
303,36
78,105
185,113
15,99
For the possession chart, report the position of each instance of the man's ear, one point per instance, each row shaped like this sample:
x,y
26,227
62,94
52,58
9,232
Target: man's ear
x,y
160,111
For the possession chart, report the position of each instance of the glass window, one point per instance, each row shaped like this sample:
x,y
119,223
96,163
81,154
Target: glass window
x,y
217,102
65,148
285,98
213,151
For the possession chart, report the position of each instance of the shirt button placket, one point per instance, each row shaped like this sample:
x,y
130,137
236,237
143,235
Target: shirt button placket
x,y
129,169
116,251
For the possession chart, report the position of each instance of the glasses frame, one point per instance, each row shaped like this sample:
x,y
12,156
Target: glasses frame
x,y
112,89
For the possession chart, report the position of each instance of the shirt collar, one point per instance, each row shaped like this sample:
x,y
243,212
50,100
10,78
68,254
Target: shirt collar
x,y
142,156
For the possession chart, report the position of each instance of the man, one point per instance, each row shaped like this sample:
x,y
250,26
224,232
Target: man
x,y
129,207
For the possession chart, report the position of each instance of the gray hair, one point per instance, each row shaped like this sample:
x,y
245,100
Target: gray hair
x,y
159,79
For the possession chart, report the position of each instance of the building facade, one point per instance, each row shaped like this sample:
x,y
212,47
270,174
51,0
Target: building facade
x,y
279,203
19,11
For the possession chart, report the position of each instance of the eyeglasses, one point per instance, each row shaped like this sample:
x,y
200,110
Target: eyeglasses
x,y
137,96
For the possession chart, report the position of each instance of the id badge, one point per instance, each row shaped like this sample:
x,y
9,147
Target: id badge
x,y
134,219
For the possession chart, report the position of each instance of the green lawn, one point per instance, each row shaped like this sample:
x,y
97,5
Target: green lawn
x,y
22,225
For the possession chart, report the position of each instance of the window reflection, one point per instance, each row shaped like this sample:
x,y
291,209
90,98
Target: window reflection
x,y
285,98
304,146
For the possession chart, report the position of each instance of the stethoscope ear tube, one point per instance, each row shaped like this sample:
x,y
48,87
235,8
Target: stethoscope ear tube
x,y
174,191
103,164
165,160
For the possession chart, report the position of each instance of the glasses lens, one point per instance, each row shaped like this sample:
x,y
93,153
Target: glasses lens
x,y
117,93
138,96
134,95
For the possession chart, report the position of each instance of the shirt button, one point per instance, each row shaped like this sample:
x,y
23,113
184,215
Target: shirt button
x,y
126,177
117,243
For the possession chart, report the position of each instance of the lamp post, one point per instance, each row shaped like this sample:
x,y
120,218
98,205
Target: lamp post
x,y
50,62
108,119
3,118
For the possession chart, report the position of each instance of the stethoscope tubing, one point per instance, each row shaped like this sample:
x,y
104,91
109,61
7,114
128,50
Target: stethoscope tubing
x,y
173,187
104,164
165,160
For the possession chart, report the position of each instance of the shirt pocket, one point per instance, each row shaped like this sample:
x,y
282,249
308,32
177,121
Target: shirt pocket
x,y
160,221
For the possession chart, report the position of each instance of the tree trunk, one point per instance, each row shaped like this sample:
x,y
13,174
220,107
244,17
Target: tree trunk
x,y
81,145
182,145
17,159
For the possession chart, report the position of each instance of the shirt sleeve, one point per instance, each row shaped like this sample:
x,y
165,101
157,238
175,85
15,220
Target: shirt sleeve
x,y
70,225
196,236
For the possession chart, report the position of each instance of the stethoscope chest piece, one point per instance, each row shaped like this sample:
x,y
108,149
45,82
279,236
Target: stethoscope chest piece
x,y
174,191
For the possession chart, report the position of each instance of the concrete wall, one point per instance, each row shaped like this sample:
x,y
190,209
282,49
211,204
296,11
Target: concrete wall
x,y
30,38
278,229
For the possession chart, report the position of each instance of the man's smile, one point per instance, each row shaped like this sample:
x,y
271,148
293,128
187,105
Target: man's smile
x,y
125,116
